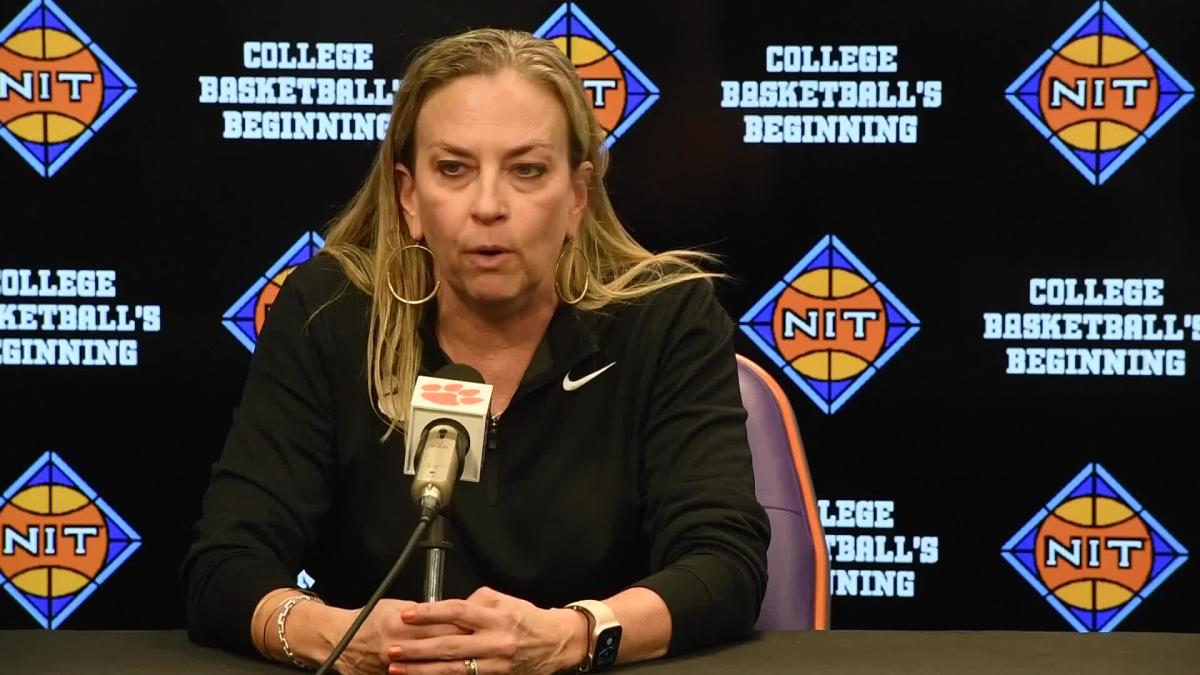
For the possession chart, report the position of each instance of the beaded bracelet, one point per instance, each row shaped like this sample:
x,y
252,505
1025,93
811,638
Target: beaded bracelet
x,y
281,622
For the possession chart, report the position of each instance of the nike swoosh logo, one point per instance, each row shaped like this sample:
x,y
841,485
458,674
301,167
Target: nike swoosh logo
x,y
572,385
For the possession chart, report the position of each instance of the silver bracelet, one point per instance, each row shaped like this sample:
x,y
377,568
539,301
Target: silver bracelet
x,y
281,622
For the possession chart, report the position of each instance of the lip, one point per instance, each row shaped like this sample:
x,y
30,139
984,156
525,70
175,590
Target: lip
x,y
487,257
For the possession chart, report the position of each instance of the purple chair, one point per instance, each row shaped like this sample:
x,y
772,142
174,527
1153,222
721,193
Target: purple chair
x,y
797,595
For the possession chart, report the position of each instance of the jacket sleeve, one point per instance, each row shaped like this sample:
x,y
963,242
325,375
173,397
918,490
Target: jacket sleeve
x,y
270,487
708,533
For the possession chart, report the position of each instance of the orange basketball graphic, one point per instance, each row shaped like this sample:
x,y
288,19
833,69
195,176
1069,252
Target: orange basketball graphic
x,y
1093,568
601,75
1117,84
66,97
56,522
830,324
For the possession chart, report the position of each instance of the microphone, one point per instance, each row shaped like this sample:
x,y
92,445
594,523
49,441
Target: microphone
x,y
441,451
452,410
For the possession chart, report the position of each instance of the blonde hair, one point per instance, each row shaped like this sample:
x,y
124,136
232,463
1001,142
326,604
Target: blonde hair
x,y
367,236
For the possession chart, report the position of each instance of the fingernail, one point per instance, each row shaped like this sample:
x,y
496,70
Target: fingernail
x,y
408,614
395,669
395,652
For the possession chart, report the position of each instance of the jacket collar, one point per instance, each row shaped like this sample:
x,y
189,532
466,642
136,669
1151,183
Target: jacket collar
x,y
571,337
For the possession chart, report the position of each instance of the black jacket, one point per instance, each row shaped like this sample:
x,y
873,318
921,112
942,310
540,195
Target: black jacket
x,y
641,477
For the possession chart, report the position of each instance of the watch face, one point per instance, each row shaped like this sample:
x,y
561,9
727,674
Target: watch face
x,y
606,647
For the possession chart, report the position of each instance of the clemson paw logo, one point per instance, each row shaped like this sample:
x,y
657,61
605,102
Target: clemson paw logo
x,y
450,394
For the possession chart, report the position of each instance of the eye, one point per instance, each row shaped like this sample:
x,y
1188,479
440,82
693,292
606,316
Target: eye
x,y
451,168
529,170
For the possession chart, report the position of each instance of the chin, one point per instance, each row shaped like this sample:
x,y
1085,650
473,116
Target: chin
x,y
498,289
492,293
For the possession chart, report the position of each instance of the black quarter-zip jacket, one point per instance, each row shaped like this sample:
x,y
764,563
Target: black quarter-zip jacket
x,y
640,477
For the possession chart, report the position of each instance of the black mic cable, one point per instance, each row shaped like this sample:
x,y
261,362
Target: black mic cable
x,y
418,531
430,505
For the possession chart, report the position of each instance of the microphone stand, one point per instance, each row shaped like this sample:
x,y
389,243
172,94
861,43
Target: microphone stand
x,y
435,546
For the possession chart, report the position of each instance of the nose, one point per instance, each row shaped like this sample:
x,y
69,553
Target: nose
x,y
490,204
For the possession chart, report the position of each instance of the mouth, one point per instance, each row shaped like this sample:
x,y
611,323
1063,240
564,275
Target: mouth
x,y
488,251
488,257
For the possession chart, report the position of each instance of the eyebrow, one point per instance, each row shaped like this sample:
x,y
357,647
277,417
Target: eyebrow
x,y
463,152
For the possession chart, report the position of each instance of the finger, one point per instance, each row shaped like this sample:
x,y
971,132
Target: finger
x,y
487,597
451,647
456,667
395,628
430,631
443,648
458,612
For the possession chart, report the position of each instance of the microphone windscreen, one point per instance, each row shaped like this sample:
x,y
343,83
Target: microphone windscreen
x,y
460,372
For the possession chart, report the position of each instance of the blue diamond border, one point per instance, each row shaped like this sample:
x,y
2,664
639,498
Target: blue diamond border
x,y
1107,10
93,128
653,93
822,246
1093,469
229,320
135,541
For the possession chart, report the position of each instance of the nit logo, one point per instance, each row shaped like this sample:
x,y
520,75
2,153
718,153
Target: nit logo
x,y
1099,93
57,87
830,324
245,318
1093,552
61,541
620,92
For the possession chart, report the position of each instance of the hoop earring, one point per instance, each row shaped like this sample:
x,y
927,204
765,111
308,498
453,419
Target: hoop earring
x,y
587,267
387,275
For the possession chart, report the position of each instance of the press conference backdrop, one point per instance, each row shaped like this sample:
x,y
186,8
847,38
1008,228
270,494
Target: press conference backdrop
x,y
962,236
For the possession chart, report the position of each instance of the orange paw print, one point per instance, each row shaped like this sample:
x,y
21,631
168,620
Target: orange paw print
x,y
450,394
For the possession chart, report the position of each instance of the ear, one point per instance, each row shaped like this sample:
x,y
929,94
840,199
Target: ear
x,y
580,188
407,199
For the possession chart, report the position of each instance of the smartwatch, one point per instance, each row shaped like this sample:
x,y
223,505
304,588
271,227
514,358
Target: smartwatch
x,y
604,637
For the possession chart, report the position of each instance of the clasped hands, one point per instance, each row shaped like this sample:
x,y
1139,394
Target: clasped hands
x,y
502,633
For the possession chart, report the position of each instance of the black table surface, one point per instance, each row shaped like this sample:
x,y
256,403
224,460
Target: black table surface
x,y
1061,653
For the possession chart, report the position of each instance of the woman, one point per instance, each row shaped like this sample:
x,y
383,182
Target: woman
x,y
621,475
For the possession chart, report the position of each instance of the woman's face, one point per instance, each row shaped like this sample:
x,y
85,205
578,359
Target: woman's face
x,y
491,190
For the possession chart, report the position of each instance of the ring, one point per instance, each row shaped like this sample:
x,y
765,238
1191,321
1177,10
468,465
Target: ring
x,y
472,666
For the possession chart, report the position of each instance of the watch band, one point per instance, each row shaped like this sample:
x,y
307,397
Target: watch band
x,y
600,619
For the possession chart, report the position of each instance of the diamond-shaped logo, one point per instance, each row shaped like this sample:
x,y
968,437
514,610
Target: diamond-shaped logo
x,y
620,93
1093,552
61,541
1099,93
57,87
829,324
245,318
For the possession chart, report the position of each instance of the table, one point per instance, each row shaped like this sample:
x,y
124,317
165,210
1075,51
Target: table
x,y
810,653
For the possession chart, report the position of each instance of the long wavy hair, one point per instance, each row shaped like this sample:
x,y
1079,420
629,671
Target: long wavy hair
x,y
369,233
